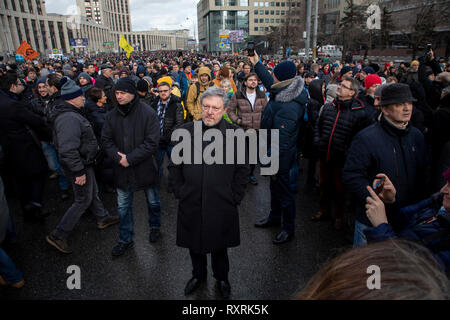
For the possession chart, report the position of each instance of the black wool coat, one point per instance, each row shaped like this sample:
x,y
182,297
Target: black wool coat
x,y
20,134
135,133
208,195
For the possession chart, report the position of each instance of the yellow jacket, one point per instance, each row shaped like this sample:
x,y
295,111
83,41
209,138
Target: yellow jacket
x,y
192,101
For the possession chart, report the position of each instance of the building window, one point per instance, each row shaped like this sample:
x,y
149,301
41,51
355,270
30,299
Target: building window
x,y
232,3
21,6
267,20
272,4
267,4
282,20
255,12
255,4
30,7
256,28
261,20
282,12
277,20
298,4
261,12
267,12
272,12
261,28
283,4
267,28
277,4
272,20
256,20
219,3
244,3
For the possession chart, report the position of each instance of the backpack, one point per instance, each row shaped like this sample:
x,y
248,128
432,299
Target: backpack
x,y
197,84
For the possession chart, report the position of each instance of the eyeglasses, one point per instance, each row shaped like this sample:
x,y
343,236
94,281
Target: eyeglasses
x,y
341,85
164,90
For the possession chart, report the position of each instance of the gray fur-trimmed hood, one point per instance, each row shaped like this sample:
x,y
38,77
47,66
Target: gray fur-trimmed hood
x,y
288,90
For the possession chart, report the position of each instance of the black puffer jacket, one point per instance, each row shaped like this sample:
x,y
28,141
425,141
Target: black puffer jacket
x,y
173,118
337,125
73,138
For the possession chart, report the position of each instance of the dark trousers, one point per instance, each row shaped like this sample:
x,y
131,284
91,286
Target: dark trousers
x,y
219,263
31,190
331,188
282,202
85,197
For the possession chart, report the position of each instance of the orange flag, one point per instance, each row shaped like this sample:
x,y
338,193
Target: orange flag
x,y
27,52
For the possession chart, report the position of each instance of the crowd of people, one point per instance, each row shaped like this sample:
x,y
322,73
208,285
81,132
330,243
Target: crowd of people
x,y
375,141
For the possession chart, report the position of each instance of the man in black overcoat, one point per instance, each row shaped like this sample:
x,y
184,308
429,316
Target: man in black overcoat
x,y
208,194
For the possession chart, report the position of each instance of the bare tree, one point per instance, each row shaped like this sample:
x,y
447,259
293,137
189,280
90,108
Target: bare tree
x,y
288,34
351,26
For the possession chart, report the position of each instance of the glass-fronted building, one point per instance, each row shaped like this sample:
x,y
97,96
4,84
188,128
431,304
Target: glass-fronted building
x,y
217,21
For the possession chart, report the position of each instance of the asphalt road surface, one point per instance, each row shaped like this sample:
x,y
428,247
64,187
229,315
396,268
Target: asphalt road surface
x,y
258,269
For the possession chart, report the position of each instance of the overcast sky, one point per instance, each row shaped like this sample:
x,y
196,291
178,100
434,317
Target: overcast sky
x,y
145,14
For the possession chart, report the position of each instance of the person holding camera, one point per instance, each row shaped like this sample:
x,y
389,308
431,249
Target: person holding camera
x,y
392,146
428,221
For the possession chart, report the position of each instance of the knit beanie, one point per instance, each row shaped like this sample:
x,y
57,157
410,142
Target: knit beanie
x,y
41,80
84,75
371,79
345,69
69,89
126,84
368,70
285,70
142,85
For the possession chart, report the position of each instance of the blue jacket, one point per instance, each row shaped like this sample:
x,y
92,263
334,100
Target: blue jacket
x,y
400,154
184,84
284,111
417,230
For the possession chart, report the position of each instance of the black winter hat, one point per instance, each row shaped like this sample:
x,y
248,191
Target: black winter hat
x,y
142,85
345,69
396,93
126,84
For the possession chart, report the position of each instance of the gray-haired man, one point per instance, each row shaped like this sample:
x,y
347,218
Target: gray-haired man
x,y
208,194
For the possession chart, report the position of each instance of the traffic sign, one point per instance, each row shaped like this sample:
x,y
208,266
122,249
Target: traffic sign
x,y
221,45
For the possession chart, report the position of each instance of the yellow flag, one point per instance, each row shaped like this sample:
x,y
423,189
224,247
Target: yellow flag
x,y
125,45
